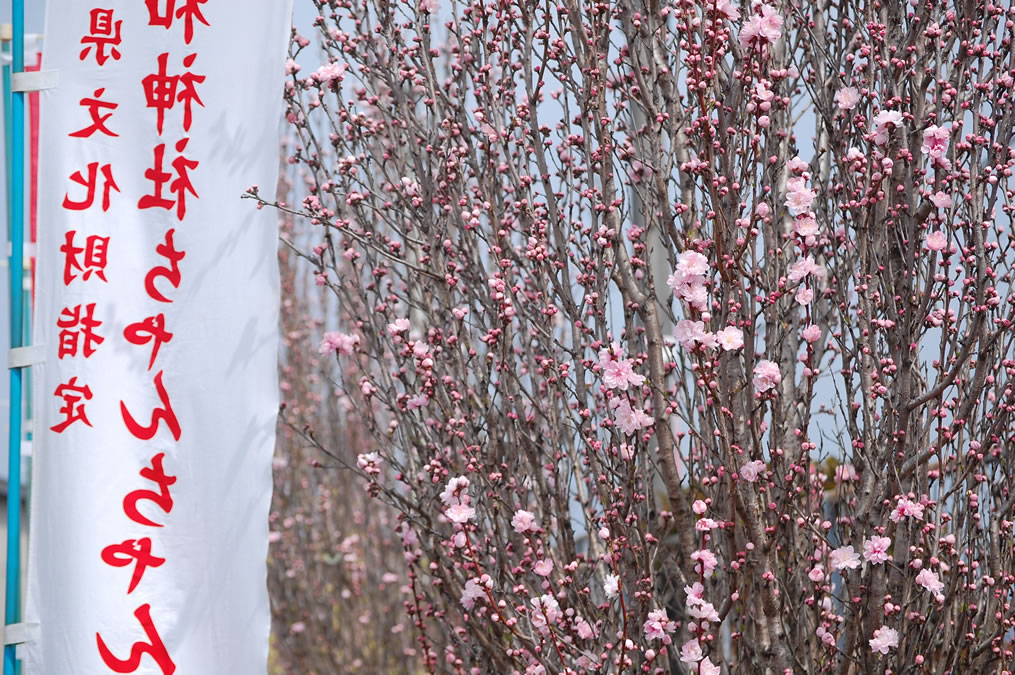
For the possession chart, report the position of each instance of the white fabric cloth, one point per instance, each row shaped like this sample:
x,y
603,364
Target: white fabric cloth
x,y
208,600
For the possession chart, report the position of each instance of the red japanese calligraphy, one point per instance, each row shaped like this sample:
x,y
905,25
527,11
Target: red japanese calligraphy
x,y
163,499
168,251
160,91
158,414
78,328
181,185
154,648
73,408
94,261
189,11
103,32
95,106
89,184
152,329
137,551
188,91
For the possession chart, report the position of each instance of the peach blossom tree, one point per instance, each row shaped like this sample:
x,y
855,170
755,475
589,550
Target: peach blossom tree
x,y
336,575
678,333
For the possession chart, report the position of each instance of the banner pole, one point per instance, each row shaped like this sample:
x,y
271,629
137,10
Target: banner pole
x,y
12,598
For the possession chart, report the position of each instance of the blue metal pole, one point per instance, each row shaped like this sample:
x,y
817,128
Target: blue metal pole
x,y
7,132
12,613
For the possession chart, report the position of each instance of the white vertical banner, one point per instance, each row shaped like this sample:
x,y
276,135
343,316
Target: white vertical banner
x,y
157,305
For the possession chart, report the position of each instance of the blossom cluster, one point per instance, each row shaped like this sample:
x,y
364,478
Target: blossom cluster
x,y
678,336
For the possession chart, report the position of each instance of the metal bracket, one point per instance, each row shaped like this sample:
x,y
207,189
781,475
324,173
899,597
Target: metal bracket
x,y
35,80
22,357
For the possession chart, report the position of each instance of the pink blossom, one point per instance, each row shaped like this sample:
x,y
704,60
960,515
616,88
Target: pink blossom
x,y
800,200
706,667
658,625
460,513
699,609
936,241
409,537
429,6
342,343
473,591
543,567
930,581
802,269
765,28
935,141
524,521
817,574
707,562
751,470
875,549
692,263
410,186
546,611
728,8
452,493
705,525
906,508
805,225
844,557
695,592
611,586
688,287
677,279
797,165
416,401
695,295
766,376
708,340
369,463
730,338
618,372
584,629
690,333
398,326
847,98
811,334
804,295
631,420
885,638
329,72
796,183
690,652
941,200
881,123
845,472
